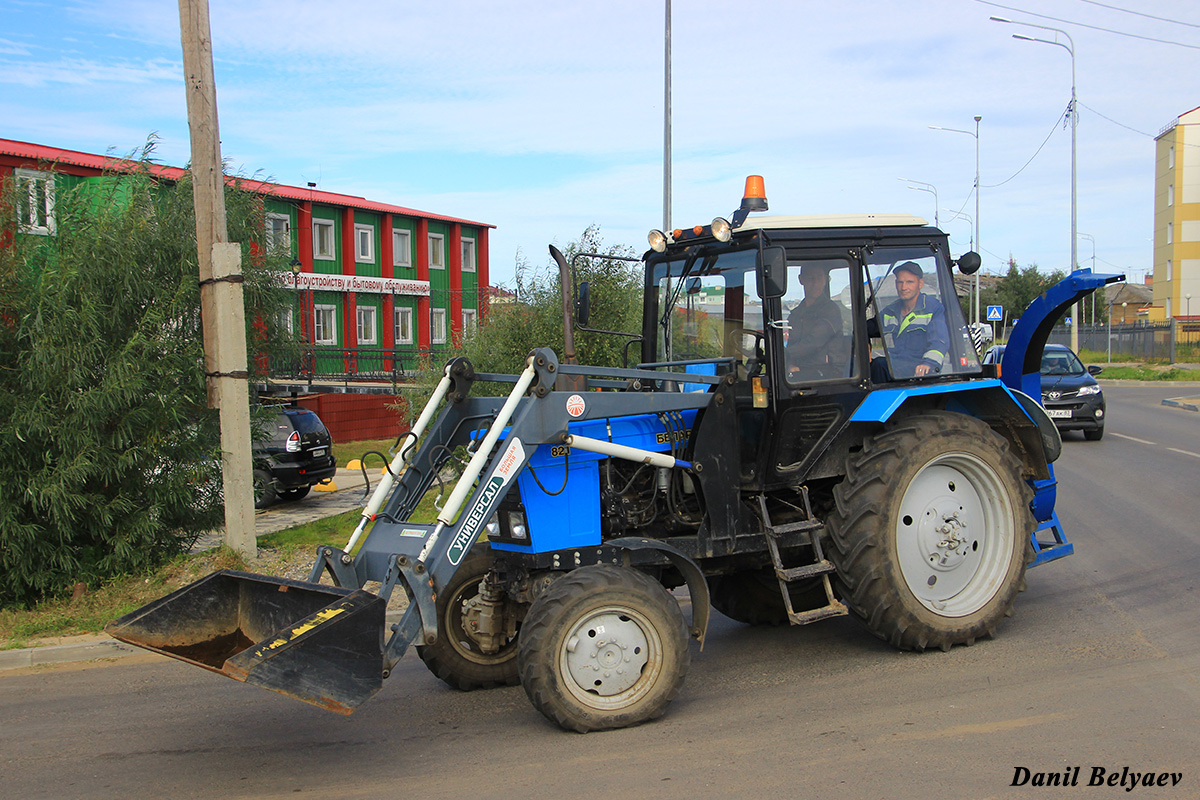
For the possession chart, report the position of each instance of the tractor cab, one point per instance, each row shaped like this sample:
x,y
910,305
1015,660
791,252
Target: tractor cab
x,y
809,314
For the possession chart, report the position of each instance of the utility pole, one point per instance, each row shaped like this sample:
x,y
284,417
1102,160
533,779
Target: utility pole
x,y
667,122
222,312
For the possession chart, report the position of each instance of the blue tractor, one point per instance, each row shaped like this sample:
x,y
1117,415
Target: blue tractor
x,y
808,434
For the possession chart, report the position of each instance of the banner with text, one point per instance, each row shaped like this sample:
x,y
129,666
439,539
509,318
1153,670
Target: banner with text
x,y
321,282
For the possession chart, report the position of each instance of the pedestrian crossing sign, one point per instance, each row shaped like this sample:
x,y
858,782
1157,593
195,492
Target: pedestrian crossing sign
x,y
995,313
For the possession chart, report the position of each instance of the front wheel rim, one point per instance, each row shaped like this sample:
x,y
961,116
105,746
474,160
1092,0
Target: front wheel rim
x,y
611,658
955,534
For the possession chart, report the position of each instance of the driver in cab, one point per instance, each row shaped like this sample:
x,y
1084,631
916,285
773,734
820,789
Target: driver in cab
x,y
814,328
914,326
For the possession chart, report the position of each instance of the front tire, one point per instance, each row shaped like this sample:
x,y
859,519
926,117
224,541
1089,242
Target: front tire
x,y
603,647
931,531
1094,436
456,658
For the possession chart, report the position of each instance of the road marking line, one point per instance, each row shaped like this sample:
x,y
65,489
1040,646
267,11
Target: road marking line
x,y
1185,452
1134,439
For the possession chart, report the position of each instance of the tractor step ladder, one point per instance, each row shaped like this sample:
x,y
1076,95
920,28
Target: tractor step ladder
x,y
1049,550
821,566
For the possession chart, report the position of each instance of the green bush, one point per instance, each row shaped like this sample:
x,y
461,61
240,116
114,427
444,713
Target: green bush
x,y
112,458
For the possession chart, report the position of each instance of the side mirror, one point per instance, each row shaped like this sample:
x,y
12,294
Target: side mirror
x,y
1094,369
583,304
772,273
968,263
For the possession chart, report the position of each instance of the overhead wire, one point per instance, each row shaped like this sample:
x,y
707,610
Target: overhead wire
x,y
1090,27
1061,117
1140,13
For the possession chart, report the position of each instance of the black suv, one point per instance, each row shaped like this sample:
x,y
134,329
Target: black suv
x,y
1070,394
294,454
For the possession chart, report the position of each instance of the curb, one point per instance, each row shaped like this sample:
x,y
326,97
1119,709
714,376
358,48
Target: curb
x,y
1186,403
64,653
95,649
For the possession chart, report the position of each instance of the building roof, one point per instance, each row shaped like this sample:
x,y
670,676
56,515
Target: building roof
x,y
1132,293
75,158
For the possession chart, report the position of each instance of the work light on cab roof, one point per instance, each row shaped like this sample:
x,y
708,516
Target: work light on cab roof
x,y
754,198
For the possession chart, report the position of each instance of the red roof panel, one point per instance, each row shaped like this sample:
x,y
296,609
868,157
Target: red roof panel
x,y
56,155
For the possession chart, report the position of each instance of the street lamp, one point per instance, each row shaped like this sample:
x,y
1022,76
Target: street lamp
x,y
1110,310
1188,299
975,244
1089,237
926,187
1070,48
970,222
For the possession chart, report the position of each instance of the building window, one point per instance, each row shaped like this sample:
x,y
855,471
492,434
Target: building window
x,y
1170,194
402,320
437,326
1171,157
364,244
1168,269
401,249
325,324
1170,233
323,239
279,228
470,319
437,251
285,321
366,325
35,201
468,255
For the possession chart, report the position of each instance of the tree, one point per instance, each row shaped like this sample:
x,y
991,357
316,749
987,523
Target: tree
x,y
510,330
111,454
1019,287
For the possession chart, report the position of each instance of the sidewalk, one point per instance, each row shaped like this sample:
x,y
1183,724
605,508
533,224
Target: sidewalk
x,y
318,505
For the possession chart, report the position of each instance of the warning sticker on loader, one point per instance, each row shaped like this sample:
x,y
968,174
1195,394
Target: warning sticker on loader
x,y
509,465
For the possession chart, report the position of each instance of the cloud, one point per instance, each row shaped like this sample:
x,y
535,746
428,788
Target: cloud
x,y
84,72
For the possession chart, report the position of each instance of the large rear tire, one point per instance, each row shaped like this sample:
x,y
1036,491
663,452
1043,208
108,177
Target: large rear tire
x,y
456,658
931,531
753,597
264,488
603,647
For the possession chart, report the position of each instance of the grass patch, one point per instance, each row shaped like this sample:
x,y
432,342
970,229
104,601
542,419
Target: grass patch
x,y
1147,373
308,537
92,610
345,452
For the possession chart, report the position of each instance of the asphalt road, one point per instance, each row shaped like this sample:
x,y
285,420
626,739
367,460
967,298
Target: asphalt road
x,y
1099,667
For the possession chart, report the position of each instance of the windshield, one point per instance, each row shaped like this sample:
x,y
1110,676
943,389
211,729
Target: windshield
x,y
920,327
707,306
1061,362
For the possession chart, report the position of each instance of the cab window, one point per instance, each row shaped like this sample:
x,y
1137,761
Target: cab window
x,y
918,327
819,322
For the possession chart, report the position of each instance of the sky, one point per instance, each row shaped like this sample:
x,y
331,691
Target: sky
x,y
543,117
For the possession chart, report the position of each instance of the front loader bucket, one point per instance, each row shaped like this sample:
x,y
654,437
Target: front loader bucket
x,y
319,644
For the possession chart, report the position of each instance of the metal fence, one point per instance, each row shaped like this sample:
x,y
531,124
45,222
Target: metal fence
x,y
1168,342
346,364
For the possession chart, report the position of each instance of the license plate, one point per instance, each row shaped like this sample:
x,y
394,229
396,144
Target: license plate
x,y
320,451
1058,413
